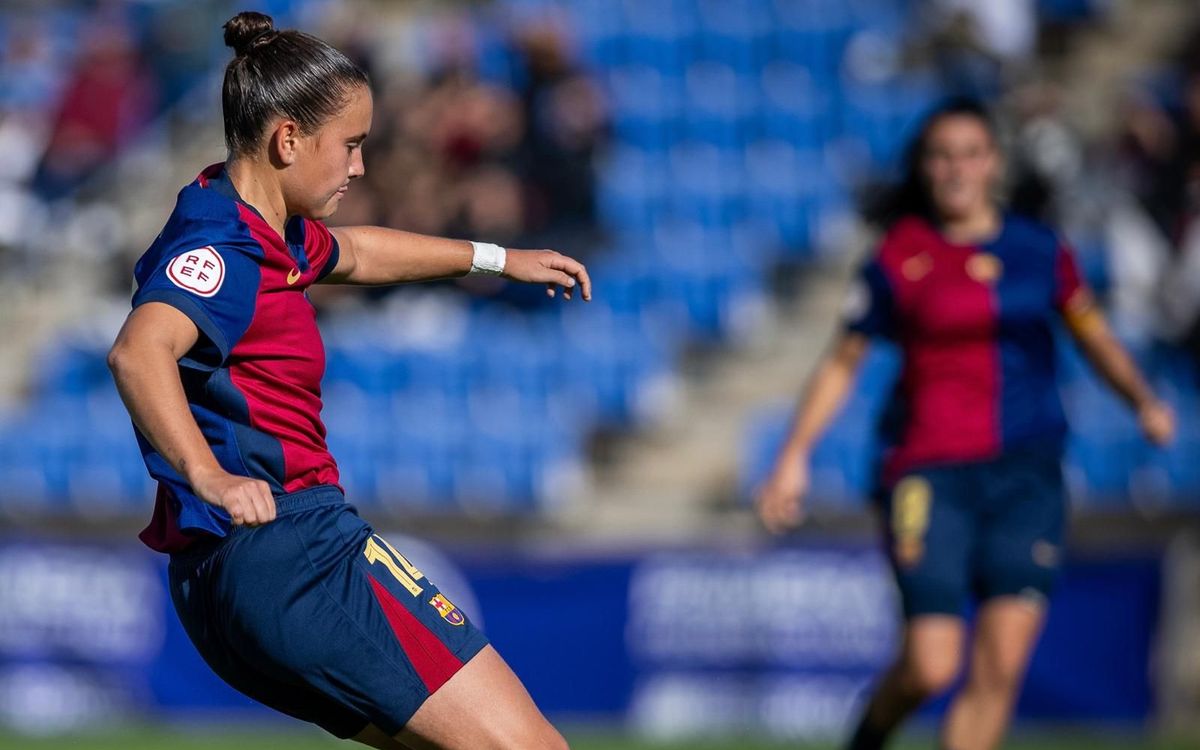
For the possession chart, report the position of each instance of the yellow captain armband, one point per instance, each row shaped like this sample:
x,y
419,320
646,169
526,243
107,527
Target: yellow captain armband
x,y
1081,313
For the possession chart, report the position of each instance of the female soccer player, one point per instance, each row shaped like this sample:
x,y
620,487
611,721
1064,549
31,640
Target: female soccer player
x,y
288,595
972,489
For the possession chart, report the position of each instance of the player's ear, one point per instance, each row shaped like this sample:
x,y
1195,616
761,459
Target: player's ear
x,y
285,141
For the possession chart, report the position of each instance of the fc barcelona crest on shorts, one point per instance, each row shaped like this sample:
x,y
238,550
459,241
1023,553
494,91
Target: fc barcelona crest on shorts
x,y
448,611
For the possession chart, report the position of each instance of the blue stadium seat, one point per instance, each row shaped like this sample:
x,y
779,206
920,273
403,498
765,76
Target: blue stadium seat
x,y
632,188
795,108
658,34
734,32
646,106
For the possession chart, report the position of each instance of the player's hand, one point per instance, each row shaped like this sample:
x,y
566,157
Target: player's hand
x,y
1157,422
547,267
247,501
780,500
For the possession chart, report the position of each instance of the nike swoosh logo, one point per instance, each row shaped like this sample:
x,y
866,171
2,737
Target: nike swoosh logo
x,y
293,276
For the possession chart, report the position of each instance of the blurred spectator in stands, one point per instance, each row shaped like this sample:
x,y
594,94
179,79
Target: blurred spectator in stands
x,y
1160,159
1181,282
976,43
452,154
108,98
565,125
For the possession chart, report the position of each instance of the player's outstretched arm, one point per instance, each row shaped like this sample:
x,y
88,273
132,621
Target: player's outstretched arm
x,y
1090,330
144,363
376,255
780,499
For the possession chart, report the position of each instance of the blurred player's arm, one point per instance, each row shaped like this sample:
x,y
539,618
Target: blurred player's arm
x,y
377,255
144,362
1109,359
780,499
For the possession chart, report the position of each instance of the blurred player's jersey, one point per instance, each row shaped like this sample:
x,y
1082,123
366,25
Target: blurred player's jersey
x,y
975,325
253,380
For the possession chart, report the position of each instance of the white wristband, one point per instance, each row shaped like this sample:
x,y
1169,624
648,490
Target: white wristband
x,y
489,259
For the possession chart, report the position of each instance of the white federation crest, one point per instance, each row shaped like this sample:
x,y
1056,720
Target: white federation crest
x,y
200,271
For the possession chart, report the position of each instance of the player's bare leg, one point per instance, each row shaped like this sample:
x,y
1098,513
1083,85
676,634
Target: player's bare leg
x,y
1006,630
929,661
482,707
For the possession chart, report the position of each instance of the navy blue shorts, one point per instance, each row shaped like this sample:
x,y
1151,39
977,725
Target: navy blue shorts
x,y
983,530
318,617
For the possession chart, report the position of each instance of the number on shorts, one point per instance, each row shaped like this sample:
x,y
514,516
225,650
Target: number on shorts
x,y
910,520
379,551
910,508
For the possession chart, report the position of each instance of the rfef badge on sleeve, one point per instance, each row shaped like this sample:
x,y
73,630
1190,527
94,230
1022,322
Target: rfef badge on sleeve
x,y
200,271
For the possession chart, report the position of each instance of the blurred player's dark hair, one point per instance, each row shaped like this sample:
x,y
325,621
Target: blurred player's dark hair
x,y
280,73
910,196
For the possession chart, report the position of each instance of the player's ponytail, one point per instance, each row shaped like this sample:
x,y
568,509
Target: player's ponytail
x,y
280,74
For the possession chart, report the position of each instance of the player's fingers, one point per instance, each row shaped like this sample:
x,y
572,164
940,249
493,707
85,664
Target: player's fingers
x,y
769,510
550,291
236,513
576,270
565,280
264,510
250,514
585,283
786,513
264,491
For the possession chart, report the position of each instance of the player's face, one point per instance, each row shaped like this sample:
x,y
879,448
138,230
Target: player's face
x,y
330,158
960,164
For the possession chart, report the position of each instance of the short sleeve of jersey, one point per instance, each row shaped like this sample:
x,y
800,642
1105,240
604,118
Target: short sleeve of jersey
x,y
321,247
869,306
1069,287
216,287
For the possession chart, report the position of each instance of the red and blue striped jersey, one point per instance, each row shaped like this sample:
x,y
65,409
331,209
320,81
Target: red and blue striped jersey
x,y
975,326
253,379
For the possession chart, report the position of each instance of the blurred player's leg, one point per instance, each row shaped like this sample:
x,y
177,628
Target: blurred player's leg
x,y
929,662
482,707
1005,632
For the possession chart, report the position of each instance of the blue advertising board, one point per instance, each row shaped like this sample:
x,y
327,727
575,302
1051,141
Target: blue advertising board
x,y
782,640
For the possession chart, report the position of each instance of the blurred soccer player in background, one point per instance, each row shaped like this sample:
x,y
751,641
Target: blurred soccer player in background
x,y
288,595
971,487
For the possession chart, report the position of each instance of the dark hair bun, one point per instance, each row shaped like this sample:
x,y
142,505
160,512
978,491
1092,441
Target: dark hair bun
x,y
242,30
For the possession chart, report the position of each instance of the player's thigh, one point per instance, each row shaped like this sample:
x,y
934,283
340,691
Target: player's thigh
x,y
932,651
316,599
1006,630
482,707
1021,539
191,591
930,536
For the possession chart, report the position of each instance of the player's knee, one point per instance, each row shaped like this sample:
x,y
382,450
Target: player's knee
x,y
929,676
997,677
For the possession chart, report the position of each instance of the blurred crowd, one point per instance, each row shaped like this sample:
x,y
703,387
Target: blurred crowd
x,y
494,132
1159,162
506,161
509,160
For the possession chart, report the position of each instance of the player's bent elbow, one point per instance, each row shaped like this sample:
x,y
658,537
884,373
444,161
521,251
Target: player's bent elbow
x,y
118,359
